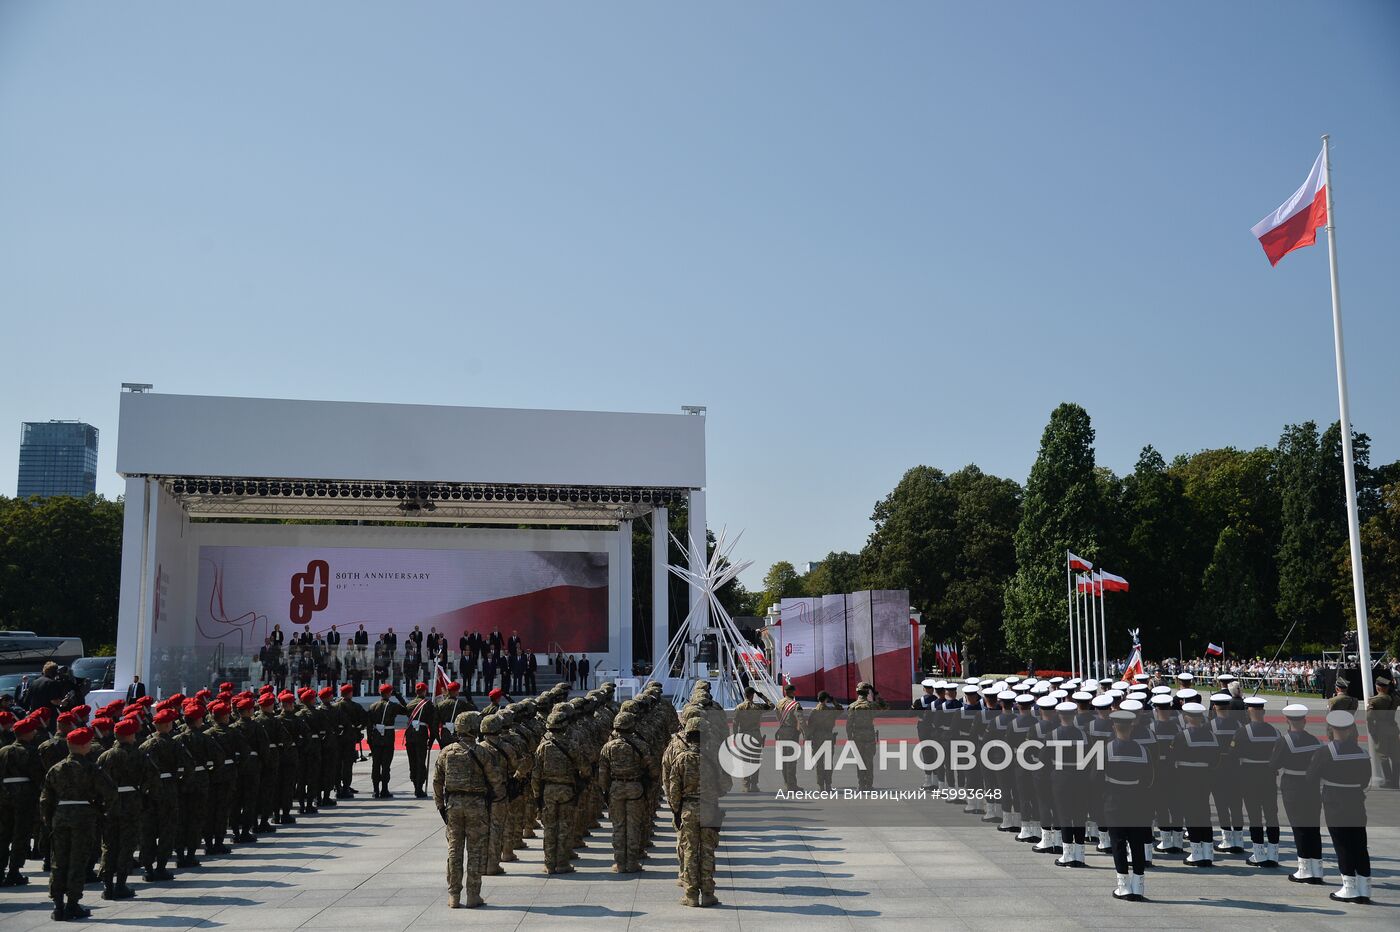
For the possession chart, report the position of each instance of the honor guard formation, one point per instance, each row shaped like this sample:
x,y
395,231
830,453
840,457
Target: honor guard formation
x,y
1182,774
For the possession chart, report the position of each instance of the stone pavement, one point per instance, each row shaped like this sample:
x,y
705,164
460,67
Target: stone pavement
x,y
379,865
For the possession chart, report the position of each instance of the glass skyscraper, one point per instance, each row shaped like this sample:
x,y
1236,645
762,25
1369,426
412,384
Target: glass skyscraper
x,y
57,458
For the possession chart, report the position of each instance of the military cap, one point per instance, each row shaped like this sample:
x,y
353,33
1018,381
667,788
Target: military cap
x,y
1256,702
102,722
1161,690
1194,708
165,715
1343,682
929,683
557,721
1082,697
624,721
1102,702
270,699
1128,705
1024,699
1185,677
347,690
1187,695
80,736
492,724
1338,718
506,717
1382,680
467,723
1295,710
1162,701
26,726
1123,717
126,727
1220,699
1066,707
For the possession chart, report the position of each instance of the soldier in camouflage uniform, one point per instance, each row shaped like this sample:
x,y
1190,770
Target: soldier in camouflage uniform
x,y
491,728
1342,700
131,775
332,745
312,745
622,776
74,790
162,818
23,777
289,777
244,811
557,775
52,750
468,778
1384,731
860,731
692,792
194,791
279,754
748,721
222,790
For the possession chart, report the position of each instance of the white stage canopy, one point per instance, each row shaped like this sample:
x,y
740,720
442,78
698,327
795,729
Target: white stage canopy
x,y
540,472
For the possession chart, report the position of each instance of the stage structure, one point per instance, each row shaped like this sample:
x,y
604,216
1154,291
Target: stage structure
x,y
452,518
708,644
833,642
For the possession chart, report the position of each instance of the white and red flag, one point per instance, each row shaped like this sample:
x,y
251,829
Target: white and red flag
x,y
1089,585
1294,224
1215,650
440,681
1112,583
1079,563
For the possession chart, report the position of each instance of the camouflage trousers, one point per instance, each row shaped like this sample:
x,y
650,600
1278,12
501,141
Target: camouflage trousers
x,y
512,828
556,822
698,860
17,817
467,833
270,786
627,807
868,748
194,803
121,831
71,838
496,838
158,828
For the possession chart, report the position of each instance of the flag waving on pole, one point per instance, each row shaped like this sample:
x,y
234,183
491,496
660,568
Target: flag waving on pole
x,y
1079,563
1294,224
440,681
1134,666
1112,583
1214,650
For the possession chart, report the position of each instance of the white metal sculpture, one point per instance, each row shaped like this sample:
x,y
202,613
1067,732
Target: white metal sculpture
x,y
734,666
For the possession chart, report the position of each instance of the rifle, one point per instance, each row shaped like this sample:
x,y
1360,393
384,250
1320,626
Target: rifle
x,y
1276,653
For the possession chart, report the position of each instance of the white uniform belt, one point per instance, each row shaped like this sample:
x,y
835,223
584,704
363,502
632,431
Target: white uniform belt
x,y
199,768
252,753
126,789
74,802
1192,763
1251,760
16,780
166,776
228,760
1294,773
1343,786
380,728
1122,782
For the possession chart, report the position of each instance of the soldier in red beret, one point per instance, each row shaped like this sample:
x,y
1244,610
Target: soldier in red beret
x,y
352,723
73,792
162,804
121,825
381,719
330,746
23,775
418,738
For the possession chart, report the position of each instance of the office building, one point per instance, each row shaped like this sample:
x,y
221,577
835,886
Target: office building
x,y
57,458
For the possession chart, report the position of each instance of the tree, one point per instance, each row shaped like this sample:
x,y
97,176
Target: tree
x,y
782,581
1060,511
1310,535
1235,601
1158,556
914,542
838,572
1380,557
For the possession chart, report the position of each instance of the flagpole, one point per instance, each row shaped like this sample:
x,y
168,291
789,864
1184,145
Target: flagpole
x,y
1069,604
1358,581
1103,625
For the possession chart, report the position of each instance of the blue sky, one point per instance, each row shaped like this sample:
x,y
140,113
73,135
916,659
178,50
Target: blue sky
x,y
867,236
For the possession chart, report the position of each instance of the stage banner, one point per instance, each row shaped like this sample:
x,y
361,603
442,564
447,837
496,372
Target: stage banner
x,y
545,597
838,674
799,649
892,640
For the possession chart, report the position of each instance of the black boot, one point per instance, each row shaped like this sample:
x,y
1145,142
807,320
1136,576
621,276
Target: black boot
x,y
123,892
163,873
76,911
149,874
59,913
288,818
108,891
15,879
91,875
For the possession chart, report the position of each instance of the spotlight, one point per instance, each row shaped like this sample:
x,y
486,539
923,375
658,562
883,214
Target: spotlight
x,y
177,488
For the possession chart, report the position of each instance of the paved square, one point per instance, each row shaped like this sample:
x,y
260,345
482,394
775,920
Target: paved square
x,y
371,865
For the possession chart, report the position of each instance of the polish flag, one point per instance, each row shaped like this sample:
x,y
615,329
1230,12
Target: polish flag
x,y
440,681
1294,225
1215,650
1089,585
1079,563
1112,583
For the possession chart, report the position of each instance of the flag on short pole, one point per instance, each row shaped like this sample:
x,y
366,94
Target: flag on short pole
x,y
440,681
1215,650
1294,223
1134,666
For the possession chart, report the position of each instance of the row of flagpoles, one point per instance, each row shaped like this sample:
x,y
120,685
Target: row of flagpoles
x,y
1088,637
949,658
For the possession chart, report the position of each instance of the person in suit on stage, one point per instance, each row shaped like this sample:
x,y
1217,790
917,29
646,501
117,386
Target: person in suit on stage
x,y
136,690
361,637
277,636
583,671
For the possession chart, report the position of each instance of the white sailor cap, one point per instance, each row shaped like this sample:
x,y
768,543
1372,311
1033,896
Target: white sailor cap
x,y
971,690
1059,693
1137,688
1024,699
1162,700
1022,687
1161,690
1103,702
1107,681
1056,680
1013,679
1006,695
1295,710
1130,705
1187,694
1123,715
1066,707
929,684
1338,718
1256,702
972,681
1045,702
1185,677
1081,697
941,684
1115,694
1226,678
1194,708
1040,689
1220,697
1141,678
1030,679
